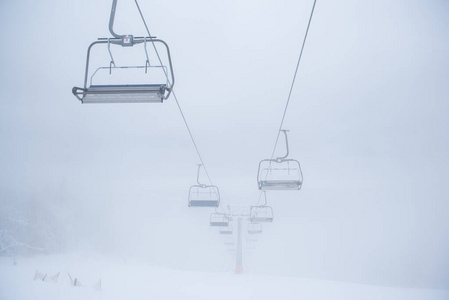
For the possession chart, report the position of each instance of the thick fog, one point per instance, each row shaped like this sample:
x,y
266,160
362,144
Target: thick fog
x,y
368,120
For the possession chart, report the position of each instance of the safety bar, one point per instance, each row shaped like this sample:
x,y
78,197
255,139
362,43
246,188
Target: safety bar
x,y
276,161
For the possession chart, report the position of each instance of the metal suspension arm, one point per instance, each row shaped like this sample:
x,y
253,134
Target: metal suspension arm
x,y
265,196
286,144
198,175
127,40
111,21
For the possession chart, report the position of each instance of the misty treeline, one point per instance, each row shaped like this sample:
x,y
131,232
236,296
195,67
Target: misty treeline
x,y
29,225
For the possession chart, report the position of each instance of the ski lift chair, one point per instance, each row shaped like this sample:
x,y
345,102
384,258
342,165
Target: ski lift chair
x,y
125,92
251,240
254,228
226,229
280,173
219,219
261,213
202,195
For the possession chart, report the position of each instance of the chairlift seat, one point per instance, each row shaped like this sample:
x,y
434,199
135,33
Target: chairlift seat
x,y
262,219
127,93
218,223
254,228
280,185
218,219
226,230
203,203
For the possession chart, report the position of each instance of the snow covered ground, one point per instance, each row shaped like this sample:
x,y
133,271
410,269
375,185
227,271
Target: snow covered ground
x,y
127,279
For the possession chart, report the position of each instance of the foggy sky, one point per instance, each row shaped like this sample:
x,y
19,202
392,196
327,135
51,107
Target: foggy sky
x,y
368,121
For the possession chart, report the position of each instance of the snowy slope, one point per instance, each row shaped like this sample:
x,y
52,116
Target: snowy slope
x,y
122,279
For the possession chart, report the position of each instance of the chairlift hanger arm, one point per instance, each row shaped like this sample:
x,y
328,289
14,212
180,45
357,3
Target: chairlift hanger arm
x,y
286,144
111,21
223,210
125,40
198,175
265,195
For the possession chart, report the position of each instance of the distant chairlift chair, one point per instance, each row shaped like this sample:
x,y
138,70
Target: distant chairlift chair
x,y
202,195
261,213
254,228
251,239
126,92
280,173
226,229
218,220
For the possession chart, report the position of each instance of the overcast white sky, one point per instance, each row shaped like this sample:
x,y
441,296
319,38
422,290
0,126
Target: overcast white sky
x,y
368,121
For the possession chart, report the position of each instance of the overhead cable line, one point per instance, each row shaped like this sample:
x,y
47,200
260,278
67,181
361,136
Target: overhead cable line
x,y
293,81
291,90
174,96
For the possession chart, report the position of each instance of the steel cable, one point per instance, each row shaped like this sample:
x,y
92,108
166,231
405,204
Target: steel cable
x,y
291,88
174,95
